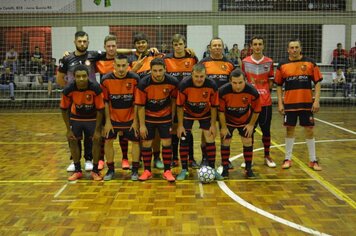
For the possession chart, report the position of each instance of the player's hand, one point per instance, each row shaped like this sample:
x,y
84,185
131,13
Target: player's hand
x,y
249,130
281,109
224,132
181,132
66,53
70,135
154,51
139,63
212,130
107,128
190,51
143,132
135,127
315,107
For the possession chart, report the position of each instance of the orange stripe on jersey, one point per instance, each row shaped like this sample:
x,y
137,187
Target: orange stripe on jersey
x,y
119,92
297,77
105,66
218,70
179,67
197,101
238,107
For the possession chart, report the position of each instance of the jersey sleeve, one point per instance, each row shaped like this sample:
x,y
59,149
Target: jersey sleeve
x,y
66,102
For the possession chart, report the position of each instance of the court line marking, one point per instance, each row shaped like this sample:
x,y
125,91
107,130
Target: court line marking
x,y
251,207
201,189
60,191
336,126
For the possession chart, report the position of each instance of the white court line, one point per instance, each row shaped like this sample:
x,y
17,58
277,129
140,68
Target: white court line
x,y
60,191
201,189
336,126
251,207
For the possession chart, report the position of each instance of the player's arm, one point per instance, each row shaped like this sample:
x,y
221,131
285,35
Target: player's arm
x,y
142,121
214,113
98,124
250,126
316,103
65,116
174,107
180,127
108,126
60,79
280,99
135,124
224,131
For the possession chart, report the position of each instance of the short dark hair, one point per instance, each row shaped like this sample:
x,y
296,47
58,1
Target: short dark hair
x,y
216,38
121,56
294,40
178,37
110,37
81,67
258,38
157,61
80,34
199,67
139,36
237,73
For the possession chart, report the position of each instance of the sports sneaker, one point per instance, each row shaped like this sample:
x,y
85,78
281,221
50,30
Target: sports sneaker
x,y
158,164
249,174
193,164
230,165
225,174
96,176
315,165
182,175
71,167
134,176
168,176
125,165
269,162
75,176
88,165
286,164
101,164
145,175
174,163
243,165
218,177
109,175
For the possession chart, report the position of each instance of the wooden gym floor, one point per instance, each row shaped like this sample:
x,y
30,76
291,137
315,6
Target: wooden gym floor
x,y
36,199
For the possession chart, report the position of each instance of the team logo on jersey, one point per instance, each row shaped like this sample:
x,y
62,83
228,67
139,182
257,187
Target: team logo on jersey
x,y
129,86
205,94
244,100
166,91
187,64
223,67
88,97
303,67
87,62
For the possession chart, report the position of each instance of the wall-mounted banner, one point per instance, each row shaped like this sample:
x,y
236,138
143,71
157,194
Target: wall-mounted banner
x,y
282,5
37,6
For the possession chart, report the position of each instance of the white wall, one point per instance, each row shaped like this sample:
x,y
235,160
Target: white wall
x,y
198,36
354,5
62,40
96,36
231,34
332,34
353,36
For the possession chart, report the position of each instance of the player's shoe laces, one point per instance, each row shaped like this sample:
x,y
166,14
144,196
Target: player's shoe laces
x,y
109,175
125,165
75,176
71,167
286,164
96,176
183,174
101,164
315,165
145,175
168,176
269,162
88,165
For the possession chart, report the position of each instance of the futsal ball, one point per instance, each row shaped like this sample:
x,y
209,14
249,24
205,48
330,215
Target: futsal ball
x,y
206,174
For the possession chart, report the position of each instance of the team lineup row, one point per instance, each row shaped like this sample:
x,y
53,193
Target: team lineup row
x,y
148,98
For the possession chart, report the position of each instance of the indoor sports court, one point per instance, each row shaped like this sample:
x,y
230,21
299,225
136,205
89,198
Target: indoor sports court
x,y
37,198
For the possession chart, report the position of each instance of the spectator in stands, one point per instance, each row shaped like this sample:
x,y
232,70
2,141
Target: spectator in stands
x,y
207,51
11,58
349,79
36,61
338,80
234,55
25,59
339,57
7,82
164,48
50,74
352,56
226,49
247,51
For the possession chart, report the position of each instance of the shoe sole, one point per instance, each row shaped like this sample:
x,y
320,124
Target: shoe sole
x,y
169,180
145,179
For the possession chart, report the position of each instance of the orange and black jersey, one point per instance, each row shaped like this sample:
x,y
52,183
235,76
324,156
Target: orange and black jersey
x,y
157,98
104,66
120,93
146,67
68,63
297,77
197,101
180,67
238,107
218,70
83,103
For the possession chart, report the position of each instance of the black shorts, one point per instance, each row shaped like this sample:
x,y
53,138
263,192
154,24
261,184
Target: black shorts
x,y
306,118
203,123
80,127
164,130
239,129
126,133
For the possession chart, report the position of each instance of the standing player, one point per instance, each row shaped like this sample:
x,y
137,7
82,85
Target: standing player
x,y
155,99
259,72
218,68
197,100
119,88
297,73
180,64
239,109
82,111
